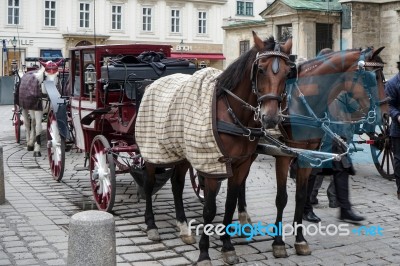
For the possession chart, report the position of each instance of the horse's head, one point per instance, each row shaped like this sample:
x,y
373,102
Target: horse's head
x,y
269,72
51,68
365,82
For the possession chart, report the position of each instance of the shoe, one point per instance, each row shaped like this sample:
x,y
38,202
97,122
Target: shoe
x,y
333,204
350,216
398,195
311,217
313,201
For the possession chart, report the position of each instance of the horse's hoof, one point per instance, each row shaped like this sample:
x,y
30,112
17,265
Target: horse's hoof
x,y
244,218
37,154
188,239
230,257
30,148
279,251
153,235
302,248
204,263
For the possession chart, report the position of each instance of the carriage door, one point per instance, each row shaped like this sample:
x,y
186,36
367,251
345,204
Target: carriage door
x,y
75,99
323,37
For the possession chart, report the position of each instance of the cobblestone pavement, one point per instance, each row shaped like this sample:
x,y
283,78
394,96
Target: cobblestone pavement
x,y
34,220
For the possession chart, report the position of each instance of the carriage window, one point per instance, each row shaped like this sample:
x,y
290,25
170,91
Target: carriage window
x,y
13,12
116,17
76,74
50,13
84,15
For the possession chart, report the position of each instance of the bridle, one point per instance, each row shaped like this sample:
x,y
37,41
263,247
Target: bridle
x,y
369,83
255,70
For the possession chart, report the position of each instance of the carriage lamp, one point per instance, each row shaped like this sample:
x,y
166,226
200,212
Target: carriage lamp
x,y
90,80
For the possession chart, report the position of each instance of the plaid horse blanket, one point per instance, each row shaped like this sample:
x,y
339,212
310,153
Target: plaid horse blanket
x,y
30,92
175,122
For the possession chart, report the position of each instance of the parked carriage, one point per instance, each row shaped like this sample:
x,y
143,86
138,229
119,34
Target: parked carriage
x,y
98,112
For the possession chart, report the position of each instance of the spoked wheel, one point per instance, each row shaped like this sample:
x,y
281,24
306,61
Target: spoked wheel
x,y
17,123
55,148
102,173
198,184
381,150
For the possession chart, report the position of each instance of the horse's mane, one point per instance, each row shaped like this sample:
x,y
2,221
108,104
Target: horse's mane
x,y
235,73
322,57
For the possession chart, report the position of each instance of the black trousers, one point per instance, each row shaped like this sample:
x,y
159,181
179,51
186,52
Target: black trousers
x,y
341,180
396,152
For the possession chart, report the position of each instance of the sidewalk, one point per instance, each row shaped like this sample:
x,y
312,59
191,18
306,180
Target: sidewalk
x,y
34,220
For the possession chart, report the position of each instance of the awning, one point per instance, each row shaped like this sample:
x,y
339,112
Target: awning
x,y
214,56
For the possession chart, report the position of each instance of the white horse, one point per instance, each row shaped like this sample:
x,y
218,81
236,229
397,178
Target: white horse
x,y
34,103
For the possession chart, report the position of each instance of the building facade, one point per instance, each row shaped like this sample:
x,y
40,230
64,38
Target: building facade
x,y
319,24
48,28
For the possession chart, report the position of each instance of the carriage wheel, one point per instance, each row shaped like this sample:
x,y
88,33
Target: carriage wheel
x,y
17,122
198,184
102,173
381,150
55,148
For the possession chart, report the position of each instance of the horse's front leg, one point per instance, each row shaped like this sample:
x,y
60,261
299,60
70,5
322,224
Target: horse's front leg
x,y
234,185
152,230
27,123
281,169
38,130
178,183
301,245
244,217
209,211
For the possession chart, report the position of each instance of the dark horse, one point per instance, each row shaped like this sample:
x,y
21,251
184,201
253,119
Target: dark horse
x,y
246,95
318,83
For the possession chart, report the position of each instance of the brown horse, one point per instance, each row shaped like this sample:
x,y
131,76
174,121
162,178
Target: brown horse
x,y
246,95
319,81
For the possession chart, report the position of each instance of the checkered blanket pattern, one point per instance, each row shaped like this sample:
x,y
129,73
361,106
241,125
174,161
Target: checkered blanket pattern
x,y
30,92
174,122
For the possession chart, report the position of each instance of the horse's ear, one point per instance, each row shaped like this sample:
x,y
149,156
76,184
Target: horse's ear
x,y
377,51
43,63
287,47
58,63
257,41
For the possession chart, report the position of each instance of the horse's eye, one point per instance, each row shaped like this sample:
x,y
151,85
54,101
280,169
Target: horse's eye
x,y
261,70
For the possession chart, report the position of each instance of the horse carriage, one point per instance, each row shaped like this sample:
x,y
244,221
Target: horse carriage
x,y
107,113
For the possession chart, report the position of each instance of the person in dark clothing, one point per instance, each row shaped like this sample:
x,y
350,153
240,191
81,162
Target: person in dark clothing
x,y
339,110
392,89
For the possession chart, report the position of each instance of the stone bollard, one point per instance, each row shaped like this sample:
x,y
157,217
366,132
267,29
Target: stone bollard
x,y
92,239
2,190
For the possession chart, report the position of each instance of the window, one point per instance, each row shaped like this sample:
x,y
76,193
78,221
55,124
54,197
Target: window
x,y
84,15
146,19
244,46
244,8
50,13
50,53
175,20
202,22
116,17
284,32
13,12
